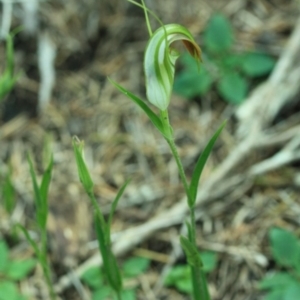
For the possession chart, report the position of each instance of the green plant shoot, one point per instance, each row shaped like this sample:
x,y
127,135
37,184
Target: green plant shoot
x,y
8,79
110,266
41,206
159,68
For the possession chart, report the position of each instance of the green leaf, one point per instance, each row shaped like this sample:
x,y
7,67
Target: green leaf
x,y
3,256
275,295
233,88
152,116
159,62
83,172
177,273
185,286
93,277
8,291
102,293
135,266
278,280
257,64
192,83
285,247
191,253
18,270
189,63
209,260
292,292
232,61
114,205
180,277
218,35
127,295
200,165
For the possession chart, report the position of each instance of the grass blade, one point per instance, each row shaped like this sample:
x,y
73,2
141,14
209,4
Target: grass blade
x,y
200,165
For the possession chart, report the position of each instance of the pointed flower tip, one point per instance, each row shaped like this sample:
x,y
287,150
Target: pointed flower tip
x,y
193,49
159,62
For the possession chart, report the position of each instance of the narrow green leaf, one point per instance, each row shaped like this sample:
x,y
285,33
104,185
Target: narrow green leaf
x,y
200,165
285,247
109,262
115,203
7,80
233,88
218,35
113,273
41,215
44,189
83,172
37,194
102,242
191,253
30,241
152,116
46,182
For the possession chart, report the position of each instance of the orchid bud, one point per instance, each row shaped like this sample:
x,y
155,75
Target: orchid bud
x,y
159,62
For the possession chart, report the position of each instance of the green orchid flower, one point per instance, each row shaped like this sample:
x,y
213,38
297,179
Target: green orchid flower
x,y
159,62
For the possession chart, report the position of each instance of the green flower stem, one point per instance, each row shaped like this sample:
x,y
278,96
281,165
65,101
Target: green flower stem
x,y
47,274
198,278
168,133
170,140
45,264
